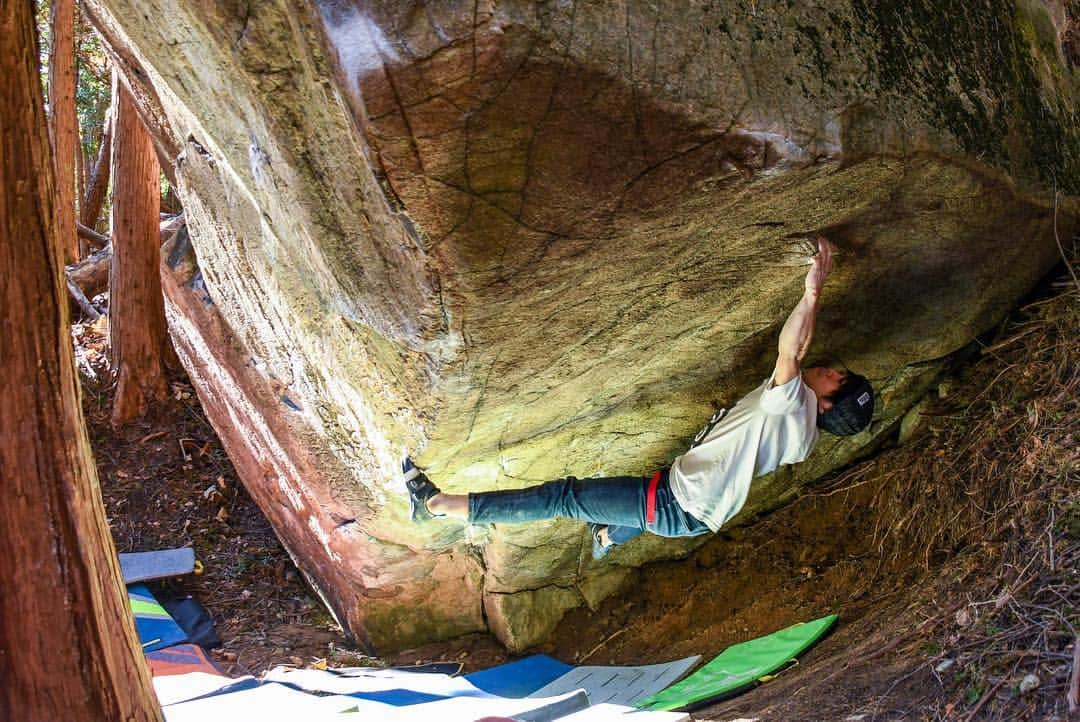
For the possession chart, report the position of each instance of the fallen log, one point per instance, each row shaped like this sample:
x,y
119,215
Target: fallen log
x,y
170,224
91,274
91,236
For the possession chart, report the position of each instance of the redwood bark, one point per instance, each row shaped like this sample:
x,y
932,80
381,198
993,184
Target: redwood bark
x,y
98,184
68,649
139,342
64,123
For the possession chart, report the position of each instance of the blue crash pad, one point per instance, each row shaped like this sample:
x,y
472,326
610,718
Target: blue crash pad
x,y
520,678
155,627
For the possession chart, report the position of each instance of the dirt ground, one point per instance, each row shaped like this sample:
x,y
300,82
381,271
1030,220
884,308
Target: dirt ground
x,y
166,482
952,560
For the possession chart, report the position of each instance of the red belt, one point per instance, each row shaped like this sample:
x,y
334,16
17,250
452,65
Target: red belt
x,y
650,499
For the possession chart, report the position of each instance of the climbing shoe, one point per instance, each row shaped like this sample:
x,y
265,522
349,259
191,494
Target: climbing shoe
x,y
420,490
599,549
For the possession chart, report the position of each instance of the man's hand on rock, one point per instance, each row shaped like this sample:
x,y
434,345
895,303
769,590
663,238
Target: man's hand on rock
x,y
822,264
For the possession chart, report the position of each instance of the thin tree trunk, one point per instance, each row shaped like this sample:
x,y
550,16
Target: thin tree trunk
x,y
139,342
81,170
64,123
82,177
68,649
98,185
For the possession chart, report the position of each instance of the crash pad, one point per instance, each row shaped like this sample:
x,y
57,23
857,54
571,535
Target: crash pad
x,y
392,687
180,659
143,566
405,687
263,702
450,669
521,677
155,627
176,688
619,685
273,702
607,712
739,666
193,618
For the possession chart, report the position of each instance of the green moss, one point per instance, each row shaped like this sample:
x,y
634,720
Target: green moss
x,y
1039,28
399,627
972,70
813,36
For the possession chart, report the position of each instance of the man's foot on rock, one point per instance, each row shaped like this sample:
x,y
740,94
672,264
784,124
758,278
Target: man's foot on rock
x,y
598,532
420,490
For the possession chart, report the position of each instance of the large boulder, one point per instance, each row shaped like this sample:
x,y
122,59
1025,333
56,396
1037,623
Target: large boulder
x,y
526,240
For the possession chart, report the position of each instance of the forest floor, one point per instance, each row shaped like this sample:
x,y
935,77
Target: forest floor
x,y
167,482
953,559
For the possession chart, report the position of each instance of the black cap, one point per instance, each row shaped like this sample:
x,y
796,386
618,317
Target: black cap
x,y
852,407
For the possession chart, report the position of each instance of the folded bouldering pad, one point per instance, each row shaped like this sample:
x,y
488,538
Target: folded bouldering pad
x,y
180,659
143,566
739,667
194,619
155,627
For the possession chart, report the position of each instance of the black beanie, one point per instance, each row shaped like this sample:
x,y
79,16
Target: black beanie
x,y
852,407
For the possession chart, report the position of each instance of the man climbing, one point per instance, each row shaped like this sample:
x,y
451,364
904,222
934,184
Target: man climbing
x,y
776,423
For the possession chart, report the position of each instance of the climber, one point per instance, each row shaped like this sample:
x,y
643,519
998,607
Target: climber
x,y
776,423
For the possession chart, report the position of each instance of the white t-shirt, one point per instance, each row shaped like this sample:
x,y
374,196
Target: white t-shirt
x,y
770,426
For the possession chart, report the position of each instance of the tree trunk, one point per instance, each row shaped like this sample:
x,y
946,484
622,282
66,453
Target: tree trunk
x,y
139,342
98,185
82,172
83,165
64,123
68,648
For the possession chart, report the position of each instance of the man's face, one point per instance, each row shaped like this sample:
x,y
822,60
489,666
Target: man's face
x,y
824,381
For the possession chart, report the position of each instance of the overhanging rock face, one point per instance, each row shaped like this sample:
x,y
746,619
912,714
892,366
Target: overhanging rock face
x,y
521,241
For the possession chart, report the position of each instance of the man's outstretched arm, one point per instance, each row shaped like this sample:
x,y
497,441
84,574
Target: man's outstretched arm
x,y
798,330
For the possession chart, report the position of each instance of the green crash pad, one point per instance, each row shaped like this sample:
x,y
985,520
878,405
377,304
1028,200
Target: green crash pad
x,y
739,666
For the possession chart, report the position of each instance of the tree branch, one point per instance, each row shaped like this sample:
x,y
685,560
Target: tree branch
x,y
91,236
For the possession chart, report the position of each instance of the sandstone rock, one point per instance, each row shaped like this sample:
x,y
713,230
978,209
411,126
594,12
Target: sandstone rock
x,y
520,619
524,240
596,588
911,422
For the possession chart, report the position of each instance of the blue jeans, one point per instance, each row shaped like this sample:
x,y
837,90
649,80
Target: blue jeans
x,y
617,501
